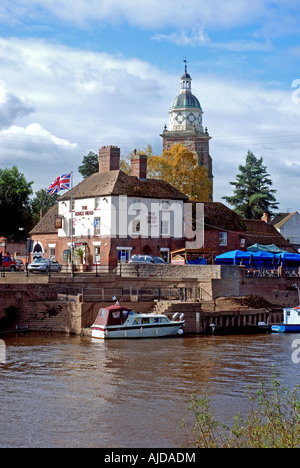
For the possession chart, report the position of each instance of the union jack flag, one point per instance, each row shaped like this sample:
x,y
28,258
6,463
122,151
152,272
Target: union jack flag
x,y
61,182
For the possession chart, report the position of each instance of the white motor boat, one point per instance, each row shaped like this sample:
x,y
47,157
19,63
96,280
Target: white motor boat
x,y
116,321
291,321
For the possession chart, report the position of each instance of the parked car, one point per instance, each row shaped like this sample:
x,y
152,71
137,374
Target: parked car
x,y
7,263
45,264
146,259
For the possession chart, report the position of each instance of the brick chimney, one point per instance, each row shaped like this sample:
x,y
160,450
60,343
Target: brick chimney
x,y
109,158
139,165
266,217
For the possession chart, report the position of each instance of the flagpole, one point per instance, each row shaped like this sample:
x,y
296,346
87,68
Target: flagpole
x,y
72,226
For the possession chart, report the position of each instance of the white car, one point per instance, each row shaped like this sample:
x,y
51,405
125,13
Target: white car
x,y
45,264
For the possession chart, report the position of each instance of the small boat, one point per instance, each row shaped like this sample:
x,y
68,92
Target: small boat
x,y
291,321
116,321
261,328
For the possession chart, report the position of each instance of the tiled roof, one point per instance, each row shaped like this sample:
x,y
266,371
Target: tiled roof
x,y
219,216
46,225
264,233
282,218
119,183
110,183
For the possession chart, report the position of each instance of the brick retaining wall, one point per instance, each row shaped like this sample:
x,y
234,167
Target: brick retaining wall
x,y
39,308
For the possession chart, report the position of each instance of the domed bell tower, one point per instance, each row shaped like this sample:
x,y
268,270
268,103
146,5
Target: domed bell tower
x,y
185,125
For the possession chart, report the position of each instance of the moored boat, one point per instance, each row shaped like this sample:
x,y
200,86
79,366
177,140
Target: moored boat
x,y
116,321
240,329
291,321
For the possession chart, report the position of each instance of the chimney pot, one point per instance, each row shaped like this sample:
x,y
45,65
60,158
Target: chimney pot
x,y
109,158
266,217
139,165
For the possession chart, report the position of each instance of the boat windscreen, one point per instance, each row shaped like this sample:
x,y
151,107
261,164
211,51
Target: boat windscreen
x,y
118,316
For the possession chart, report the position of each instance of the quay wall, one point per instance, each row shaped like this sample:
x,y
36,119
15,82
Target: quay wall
x,y
40,308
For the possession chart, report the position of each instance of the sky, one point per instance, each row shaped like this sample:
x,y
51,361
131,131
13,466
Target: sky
x,y
76,75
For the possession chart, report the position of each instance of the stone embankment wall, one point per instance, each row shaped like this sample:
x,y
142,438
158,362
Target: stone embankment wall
x,y
169,270
36,297
38,308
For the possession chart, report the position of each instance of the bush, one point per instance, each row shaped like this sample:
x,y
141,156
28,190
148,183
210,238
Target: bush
x,y
273,421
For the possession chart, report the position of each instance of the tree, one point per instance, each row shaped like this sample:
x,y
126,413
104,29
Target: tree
x,y
179,167
89,165
252,195
15,210
42,202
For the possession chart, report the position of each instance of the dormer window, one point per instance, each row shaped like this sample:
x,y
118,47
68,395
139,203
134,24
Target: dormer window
x,y
165,205
97,203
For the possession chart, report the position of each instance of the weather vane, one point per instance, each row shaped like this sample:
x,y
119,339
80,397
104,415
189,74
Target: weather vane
x,y
185,61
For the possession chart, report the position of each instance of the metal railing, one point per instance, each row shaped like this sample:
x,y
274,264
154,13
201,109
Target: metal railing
x,y
69,293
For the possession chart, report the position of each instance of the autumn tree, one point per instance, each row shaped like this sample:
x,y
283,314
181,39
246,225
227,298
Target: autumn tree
x,y
179,167
253,194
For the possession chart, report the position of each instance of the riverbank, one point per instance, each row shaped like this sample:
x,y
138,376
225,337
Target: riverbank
x,y
219,295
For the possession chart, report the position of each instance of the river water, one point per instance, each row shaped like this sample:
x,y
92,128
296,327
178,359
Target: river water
x,y
68,391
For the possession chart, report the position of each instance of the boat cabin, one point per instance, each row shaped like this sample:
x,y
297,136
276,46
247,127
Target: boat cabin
x,y
291,316
113,315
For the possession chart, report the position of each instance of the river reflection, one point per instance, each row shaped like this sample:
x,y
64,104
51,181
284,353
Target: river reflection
x,y
59,391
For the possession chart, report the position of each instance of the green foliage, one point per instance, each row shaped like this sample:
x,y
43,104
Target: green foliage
x,y
42,202
89,165
252,194
15,210
179,167
273,421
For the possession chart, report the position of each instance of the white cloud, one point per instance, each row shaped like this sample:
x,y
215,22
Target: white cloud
x,y
145,14
70,101
11,107
79,100
199,37
185,38
244,116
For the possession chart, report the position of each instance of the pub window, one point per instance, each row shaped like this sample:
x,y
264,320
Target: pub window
x,y
136,204
223,238
164,228
97,226
51,252
97,203
96,254
165,205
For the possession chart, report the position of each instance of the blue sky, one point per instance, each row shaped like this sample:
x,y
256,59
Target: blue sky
x,y
77,75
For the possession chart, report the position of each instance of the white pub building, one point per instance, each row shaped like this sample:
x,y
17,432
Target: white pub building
x,y
113,216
